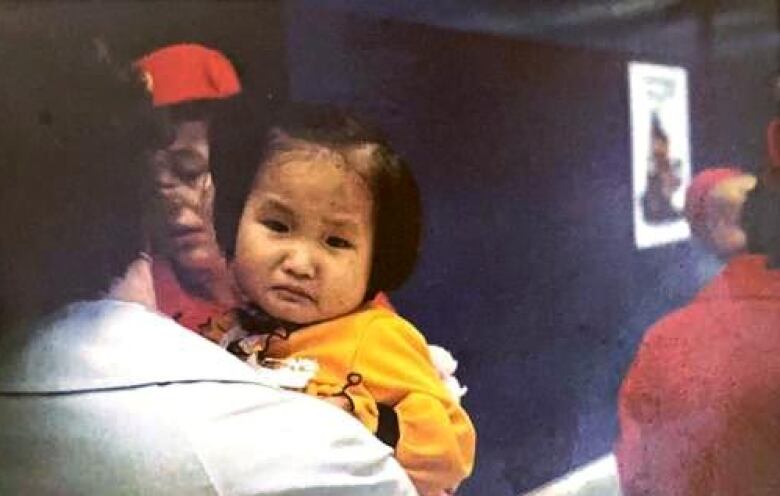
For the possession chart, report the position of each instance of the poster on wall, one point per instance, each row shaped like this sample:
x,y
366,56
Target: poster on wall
x,y
660,144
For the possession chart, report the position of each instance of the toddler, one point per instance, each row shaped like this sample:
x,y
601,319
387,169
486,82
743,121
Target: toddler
x,y
332,218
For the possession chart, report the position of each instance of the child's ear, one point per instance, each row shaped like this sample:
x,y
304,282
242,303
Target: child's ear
x,y
773,142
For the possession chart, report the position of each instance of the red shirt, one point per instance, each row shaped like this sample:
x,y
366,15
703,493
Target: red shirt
x,y
173,300
699,409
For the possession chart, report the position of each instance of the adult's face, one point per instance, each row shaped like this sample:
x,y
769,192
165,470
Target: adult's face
x,y
182,210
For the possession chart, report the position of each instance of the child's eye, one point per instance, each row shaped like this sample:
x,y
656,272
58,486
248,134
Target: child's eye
x,y
337,242
275,225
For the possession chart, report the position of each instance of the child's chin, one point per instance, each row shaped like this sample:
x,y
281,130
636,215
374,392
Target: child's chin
x,y
290,312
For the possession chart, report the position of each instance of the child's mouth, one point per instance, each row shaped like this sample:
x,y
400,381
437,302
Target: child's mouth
x,y
292,294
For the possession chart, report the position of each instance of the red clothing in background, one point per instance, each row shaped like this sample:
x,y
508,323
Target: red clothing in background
x,y
699,409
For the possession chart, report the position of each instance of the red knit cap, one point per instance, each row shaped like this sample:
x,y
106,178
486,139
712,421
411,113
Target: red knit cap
x,y
696,195
185,72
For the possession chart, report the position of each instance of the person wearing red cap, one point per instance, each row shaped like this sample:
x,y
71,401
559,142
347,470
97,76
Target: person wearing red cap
x,y
191,278
713,205
698,409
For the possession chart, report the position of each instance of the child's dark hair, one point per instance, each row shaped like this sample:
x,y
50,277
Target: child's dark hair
x,y
397,206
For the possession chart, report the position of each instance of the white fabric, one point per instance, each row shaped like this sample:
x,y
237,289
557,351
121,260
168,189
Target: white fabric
x,y
109,398
446,365
597,478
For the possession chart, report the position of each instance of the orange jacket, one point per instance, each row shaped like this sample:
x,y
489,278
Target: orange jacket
x,y
437,439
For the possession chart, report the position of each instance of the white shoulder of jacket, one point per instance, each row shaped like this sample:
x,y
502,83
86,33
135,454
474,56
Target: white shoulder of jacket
x,y
128,370
109,344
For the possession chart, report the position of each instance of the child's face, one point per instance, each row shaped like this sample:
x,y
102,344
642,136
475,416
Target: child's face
x,y
305,238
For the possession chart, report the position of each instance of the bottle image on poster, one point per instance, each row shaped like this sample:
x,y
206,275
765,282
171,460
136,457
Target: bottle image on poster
x,y
663,178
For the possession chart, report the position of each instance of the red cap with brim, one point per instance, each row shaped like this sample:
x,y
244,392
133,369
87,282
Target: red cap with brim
x,y
186,72
696,195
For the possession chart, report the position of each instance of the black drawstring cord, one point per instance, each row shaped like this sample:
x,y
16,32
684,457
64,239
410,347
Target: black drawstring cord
x,y
353,379
256,321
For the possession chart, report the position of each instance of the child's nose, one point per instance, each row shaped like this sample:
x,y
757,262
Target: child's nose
x,y
300,262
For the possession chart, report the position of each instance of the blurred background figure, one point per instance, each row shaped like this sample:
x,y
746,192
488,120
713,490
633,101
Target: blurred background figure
x,y
713,206
192,84
698,407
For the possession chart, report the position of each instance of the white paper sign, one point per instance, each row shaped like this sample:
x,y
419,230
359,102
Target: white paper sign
x,y
660,140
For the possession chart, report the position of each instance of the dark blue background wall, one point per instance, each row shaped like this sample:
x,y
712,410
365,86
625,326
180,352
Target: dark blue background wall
x,y
528,273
